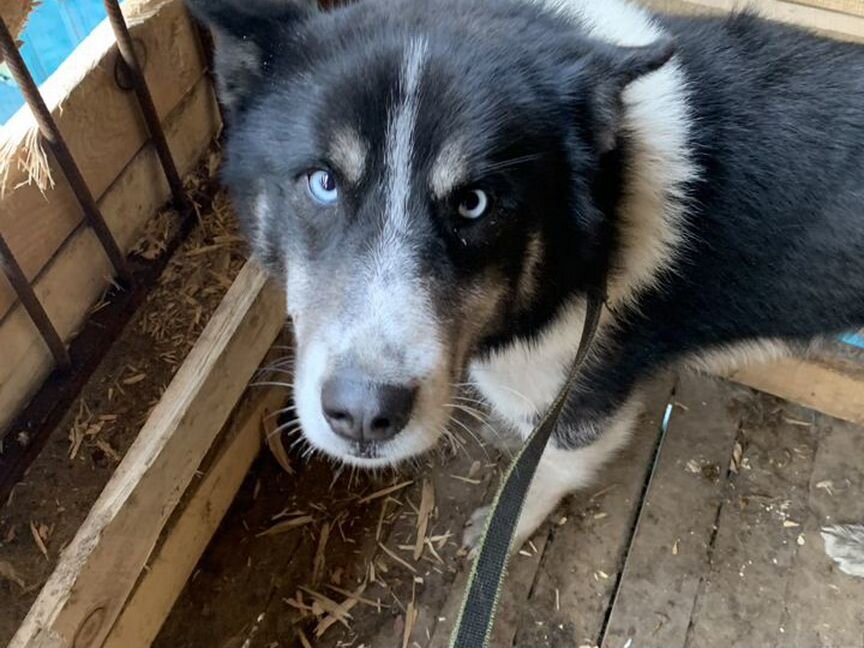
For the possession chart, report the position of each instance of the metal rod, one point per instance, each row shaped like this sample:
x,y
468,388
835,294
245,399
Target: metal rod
x,y
205,41
127,53
32,305
52,136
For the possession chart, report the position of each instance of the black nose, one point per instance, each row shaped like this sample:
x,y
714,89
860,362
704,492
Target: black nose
x,y
360,410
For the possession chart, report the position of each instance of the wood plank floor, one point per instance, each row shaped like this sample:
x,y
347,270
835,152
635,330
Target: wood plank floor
x,y
707,535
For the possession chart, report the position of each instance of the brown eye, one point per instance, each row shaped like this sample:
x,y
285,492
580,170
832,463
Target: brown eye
x,y
473,204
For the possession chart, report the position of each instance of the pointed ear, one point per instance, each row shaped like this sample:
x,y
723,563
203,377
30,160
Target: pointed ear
x,y
614,68
246,34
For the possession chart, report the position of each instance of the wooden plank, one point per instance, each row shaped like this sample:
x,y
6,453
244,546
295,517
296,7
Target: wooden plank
x,y
854,7
829,23
769,582
101,124
670,550
78,275
813,384
98,570
581,565
560,598
823,605
194,524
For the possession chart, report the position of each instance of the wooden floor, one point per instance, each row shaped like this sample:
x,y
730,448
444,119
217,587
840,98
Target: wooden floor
x,y
705,536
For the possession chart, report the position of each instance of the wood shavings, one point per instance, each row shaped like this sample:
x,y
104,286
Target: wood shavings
x,y
106,447
7,572
328,605
303,639
799,423
40,534
384,492
427,504
298,605
737,455
320,556
410,621
273,438
826,485
356,595
467,480
83,428
352,599
286,526
379,526
693,466
390,553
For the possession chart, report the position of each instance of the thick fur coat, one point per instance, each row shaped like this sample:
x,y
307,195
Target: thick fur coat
x,y
438,182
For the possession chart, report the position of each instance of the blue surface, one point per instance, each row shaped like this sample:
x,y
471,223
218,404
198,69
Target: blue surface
x,y
52,33
854,339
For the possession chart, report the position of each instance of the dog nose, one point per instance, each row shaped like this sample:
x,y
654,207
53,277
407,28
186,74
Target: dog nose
x,y
360,410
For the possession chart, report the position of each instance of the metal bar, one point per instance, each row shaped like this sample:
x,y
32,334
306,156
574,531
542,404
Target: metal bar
x,y
52,136
32,305
145,100
205,41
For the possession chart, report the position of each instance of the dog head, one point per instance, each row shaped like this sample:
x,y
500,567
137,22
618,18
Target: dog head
x,y
429,179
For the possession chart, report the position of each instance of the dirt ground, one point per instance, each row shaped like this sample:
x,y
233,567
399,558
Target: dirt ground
x,y
45,510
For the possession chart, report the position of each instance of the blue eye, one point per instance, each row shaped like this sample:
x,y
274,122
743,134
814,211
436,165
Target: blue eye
x,y
322,186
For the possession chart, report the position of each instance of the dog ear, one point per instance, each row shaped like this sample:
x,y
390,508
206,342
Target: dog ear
x,y
612,69
247,34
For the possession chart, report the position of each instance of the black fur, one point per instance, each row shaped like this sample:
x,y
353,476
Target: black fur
x,y
774,225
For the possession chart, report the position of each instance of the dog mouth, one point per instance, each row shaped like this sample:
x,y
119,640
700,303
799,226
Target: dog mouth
x,y
365,450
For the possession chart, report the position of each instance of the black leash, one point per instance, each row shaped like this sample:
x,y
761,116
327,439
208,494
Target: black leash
x,y
474,625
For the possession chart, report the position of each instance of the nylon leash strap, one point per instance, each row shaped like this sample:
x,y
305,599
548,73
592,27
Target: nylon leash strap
x,y
474,624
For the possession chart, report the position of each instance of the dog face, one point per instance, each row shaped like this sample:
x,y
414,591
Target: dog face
x,y
430,179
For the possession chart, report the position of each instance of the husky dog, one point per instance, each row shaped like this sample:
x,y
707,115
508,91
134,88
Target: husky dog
x,y
438,182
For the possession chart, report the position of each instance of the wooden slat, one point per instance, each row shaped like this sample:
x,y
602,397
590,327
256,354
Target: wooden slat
x,y
194,524
79,273
670,551
99,569
823,605
101,124
812,384
854,7
769,582
830,23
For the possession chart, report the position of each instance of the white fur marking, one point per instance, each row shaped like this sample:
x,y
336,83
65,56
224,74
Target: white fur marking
x,y
725,359
561,472
657,119
400,137
522,380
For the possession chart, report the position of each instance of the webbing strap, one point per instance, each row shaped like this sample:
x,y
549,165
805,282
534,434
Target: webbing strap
x,y
474,625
